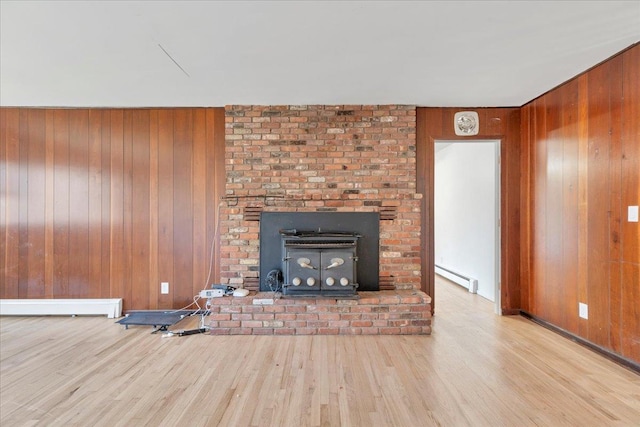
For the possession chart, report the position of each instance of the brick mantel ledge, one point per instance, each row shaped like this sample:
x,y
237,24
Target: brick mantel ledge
x,y
392,312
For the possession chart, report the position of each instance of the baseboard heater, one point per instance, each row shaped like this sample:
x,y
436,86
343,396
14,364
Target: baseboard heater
x,y
111,307
462,280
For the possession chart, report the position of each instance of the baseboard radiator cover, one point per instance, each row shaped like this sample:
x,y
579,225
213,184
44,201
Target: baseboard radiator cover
x,y
466,282
111,307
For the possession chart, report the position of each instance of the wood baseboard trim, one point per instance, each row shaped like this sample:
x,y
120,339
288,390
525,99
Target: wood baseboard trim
x,y
614,357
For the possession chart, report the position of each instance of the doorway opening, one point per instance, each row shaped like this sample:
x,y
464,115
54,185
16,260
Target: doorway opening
x,y
467,215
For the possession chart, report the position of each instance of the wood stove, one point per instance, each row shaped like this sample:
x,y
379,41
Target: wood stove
x,y
319,263
351,236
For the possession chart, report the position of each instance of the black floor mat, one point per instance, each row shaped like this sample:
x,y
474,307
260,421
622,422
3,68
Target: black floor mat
x,y
158,319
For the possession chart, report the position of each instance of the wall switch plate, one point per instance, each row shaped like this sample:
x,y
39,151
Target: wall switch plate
x,y
583,310
164,288
632,213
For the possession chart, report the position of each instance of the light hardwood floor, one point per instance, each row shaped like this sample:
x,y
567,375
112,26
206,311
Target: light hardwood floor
x,y
476,369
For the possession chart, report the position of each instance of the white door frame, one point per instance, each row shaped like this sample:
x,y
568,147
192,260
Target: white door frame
x,y
498,220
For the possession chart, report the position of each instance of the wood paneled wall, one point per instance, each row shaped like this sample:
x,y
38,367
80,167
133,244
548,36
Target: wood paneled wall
x,y
100,203
495,123
581,169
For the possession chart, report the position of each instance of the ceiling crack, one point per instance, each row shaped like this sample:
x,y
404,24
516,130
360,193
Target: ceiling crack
x,y
174,61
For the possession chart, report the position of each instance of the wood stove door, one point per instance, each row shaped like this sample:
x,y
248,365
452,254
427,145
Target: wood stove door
x,y
303,270
338,269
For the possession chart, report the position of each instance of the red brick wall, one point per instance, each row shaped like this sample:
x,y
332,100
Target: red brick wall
x,y
321,158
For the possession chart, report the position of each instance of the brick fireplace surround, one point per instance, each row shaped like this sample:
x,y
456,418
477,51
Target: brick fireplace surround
x,y
299,158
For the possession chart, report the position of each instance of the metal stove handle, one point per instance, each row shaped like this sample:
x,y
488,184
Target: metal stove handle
x,y
305,263
335,262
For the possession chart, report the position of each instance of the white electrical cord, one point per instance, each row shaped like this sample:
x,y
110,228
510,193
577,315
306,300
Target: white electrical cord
x,y
216,235
195,301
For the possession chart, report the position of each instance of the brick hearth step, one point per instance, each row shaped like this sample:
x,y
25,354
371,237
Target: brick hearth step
x,y
391,312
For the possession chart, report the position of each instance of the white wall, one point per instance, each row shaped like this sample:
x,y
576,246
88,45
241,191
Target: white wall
x,y
465,211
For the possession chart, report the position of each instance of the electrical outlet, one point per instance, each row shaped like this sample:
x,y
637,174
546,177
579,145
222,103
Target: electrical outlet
x,y
583,310
632,213
164,288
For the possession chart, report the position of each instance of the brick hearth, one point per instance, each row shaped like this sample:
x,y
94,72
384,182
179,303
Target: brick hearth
x,y
399,312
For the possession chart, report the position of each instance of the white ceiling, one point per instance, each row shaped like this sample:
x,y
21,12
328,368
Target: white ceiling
x,y
430,53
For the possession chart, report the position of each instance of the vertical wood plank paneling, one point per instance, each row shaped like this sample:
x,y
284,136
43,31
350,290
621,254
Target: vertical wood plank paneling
x,y
531,203
601,156
216,177
430,208
182,207
79,284
583,199
116,205
140,209
127,204
615,205
61,205
49,203
211,196
569,278
216,150
153,210
539,208
554,203
12,212
630,326
165,206
23,206
4,195
598,203
428,122
88,206
630,231
525,208
94,195
511,165
36,204
199,198
3,198
630,136
105,205
616,304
